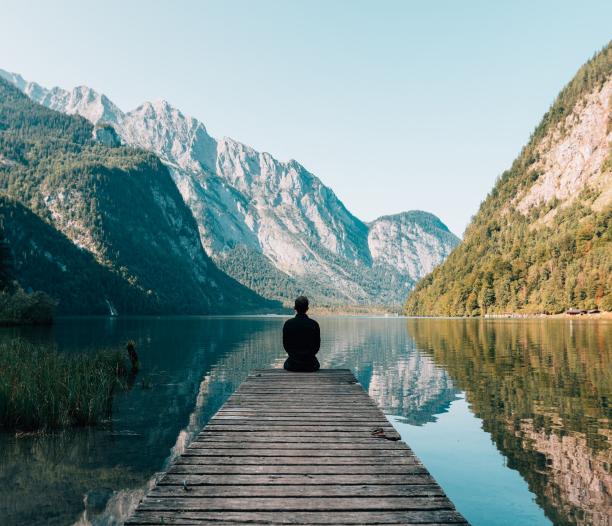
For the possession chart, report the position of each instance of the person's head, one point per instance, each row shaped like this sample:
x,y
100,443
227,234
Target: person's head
x,y
301,304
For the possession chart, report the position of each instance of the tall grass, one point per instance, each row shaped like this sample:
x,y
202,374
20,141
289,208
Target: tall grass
x,y
42,389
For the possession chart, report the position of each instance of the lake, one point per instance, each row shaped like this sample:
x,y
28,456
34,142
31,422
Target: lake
x,y
512,417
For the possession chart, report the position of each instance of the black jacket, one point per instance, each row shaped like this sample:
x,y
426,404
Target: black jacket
x,y
301,340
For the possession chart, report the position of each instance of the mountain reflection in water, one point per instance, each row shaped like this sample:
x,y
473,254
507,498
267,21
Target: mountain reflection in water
x,y
539,387
542,389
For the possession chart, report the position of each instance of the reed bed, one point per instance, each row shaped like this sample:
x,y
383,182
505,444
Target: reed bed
x,y
43,389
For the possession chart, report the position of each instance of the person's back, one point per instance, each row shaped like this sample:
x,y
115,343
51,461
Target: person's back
x,y
301,339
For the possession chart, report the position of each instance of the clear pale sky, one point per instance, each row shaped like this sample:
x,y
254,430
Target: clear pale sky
x,y
396,105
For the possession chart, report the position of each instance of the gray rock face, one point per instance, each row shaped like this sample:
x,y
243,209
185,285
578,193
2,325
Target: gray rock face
x,y
106,135
248,204
413,242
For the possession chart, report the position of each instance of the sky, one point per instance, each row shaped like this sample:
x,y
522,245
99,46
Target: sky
x,y
396,105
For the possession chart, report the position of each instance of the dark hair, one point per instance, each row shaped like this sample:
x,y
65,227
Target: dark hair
x,y
301,304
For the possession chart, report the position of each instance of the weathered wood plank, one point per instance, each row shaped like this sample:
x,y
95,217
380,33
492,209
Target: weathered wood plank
x,y
297,448
297,427
344,401
193,457
312,420
201,469
281,447
255,425
297,411
315,517
339,481
302,412
300,408
193,522
290,438
306,386
289,435
303,403
285,395
343,404
296,504
203,451
279,420
284,374
299,490
297,406
354,390
309,388
303,417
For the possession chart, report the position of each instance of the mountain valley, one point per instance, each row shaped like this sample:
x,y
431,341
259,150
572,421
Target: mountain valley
x,y
271,225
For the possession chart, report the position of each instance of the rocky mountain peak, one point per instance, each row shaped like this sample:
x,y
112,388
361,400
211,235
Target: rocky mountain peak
x,y
411,241
269,217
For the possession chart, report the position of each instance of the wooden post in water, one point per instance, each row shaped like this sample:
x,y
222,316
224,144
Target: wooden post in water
x,y
297,448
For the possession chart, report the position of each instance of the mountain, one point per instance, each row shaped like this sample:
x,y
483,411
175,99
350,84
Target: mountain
x,y
99,226
45,259
272,225
541,396
412,242
542,239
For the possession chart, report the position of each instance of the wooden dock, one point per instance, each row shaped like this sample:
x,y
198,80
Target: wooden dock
x,y
297,448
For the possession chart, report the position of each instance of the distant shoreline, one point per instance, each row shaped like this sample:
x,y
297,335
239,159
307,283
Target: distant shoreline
x,y
562,315
516,316
605,316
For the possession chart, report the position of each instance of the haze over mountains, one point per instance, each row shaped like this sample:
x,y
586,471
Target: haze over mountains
x,y
272,225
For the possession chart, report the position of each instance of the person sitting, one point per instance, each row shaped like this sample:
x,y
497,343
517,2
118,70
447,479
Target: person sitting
x,y
301,339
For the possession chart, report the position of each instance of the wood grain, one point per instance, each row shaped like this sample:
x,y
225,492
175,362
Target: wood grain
x,y
297,448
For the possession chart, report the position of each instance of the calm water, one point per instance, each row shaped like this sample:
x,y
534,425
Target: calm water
x,y
511,417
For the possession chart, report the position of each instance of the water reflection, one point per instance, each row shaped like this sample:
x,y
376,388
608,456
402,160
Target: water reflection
x,y
54,479
402,380
542,389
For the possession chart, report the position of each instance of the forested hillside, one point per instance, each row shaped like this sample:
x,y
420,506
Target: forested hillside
x,y
95,225
45,259
542,239
272,225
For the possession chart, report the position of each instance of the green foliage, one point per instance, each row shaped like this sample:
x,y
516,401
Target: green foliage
x,y
16,306
509,262
254,270
7,264
21,308
542,391
28,121
536,366
45,259
117,228
41,388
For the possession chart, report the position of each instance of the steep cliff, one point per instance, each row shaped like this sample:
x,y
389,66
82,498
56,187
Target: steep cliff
x,y
118,205
272,225
541,239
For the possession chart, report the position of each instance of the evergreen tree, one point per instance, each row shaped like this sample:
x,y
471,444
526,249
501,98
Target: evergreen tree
x,y
554,257
7,266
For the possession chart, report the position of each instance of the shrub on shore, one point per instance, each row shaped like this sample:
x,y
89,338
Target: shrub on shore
x,y
20,308
43,389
